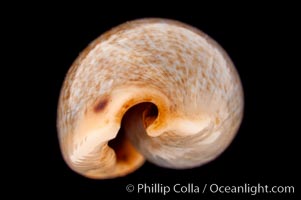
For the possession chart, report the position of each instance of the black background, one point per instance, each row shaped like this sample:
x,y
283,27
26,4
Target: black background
x,y
260,40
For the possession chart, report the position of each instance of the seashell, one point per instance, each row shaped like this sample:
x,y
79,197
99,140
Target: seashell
x,y
153,89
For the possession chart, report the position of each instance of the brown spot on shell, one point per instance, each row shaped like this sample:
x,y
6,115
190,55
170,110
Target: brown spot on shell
x,y
100,106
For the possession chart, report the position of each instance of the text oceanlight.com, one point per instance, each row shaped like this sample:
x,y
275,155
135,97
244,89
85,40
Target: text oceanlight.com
x,y
192,188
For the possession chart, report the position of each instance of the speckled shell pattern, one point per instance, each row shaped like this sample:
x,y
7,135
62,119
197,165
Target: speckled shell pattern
x,y
179,69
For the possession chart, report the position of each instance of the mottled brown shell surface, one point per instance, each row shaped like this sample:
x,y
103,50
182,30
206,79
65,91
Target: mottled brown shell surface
x,y
152,89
